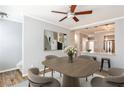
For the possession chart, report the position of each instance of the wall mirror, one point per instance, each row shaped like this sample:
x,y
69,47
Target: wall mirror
x,y
54,40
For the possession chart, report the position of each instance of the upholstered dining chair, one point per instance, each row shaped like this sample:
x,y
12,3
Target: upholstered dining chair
x,y
35,80
48,57
115,79
115,71
87,57
110,81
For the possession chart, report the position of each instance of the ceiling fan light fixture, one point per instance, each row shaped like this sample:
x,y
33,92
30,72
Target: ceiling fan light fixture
x,y
70,15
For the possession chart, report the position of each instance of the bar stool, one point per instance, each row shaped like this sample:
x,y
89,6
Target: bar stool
x,y
105,60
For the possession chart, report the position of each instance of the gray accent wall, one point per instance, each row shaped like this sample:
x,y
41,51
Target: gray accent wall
x,y
10,44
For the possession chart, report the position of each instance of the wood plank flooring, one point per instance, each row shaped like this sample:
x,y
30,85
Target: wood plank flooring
x,y
11,78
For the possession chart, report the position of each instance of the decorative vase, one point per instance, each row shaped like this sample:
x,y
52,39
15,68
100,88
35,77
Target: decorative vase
x,y
70,58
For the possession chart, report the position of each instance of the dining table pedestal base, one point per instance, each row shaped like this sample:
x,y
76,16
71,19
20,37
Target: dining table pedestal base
x,y
70,81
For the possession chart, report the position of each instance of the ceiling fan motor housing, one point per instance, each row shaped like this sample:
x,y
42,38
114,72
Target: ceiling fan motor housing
x,y
70,15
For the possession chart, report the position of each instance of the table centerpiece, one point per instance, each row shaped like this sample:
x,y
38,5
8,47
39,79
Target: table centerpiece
x,y
70,51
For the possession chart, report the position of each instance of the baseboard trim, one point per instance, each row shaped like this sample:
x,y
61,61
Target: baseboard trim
x,y
8,70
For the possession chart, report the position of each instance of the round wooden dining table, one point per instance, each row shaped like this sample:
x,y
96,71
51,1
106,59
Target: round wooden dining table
x,y
72,71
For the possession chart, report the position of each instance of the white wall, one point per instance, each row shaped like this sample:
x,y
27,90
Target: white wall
x,y
10,44
119,41
34,52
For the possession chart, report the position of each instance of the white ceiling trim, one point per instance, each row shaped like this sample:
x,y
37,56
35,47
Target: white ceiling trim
x,y
37,18
78,27
97,23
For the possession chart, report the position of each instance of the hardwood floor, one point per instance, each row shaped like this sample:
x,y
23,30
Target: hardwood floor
x,y
11,78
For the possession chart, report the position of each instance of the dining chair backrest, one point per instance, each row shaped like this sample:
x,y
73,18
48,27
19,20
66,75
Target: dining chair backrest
x,y
115,71
86,57
48,57
34,77
115,78
36,80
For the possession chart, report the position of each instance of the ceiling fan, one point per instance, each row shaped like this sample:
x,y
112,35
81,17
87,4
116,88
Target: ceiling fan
x,y
72,14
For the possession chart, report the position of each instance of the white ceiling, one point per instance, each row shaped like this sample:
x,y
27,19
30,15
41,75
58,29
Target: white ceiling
x,y
100,13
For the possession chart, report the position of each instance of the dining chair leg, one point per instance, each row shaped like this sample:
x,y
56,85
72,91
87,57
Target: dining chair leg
x,y
92,75
60,74
44,70
52,72
102,62
29,85
86,79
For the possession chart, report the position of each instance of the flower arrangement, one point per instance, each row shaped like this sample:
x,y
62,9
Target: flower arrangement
x,y
70,50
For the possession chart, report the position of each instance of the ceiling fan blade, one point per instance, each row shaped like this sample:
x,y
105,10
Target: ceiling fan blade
x,y
84,12
75,19
63,19
73,7
59,12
